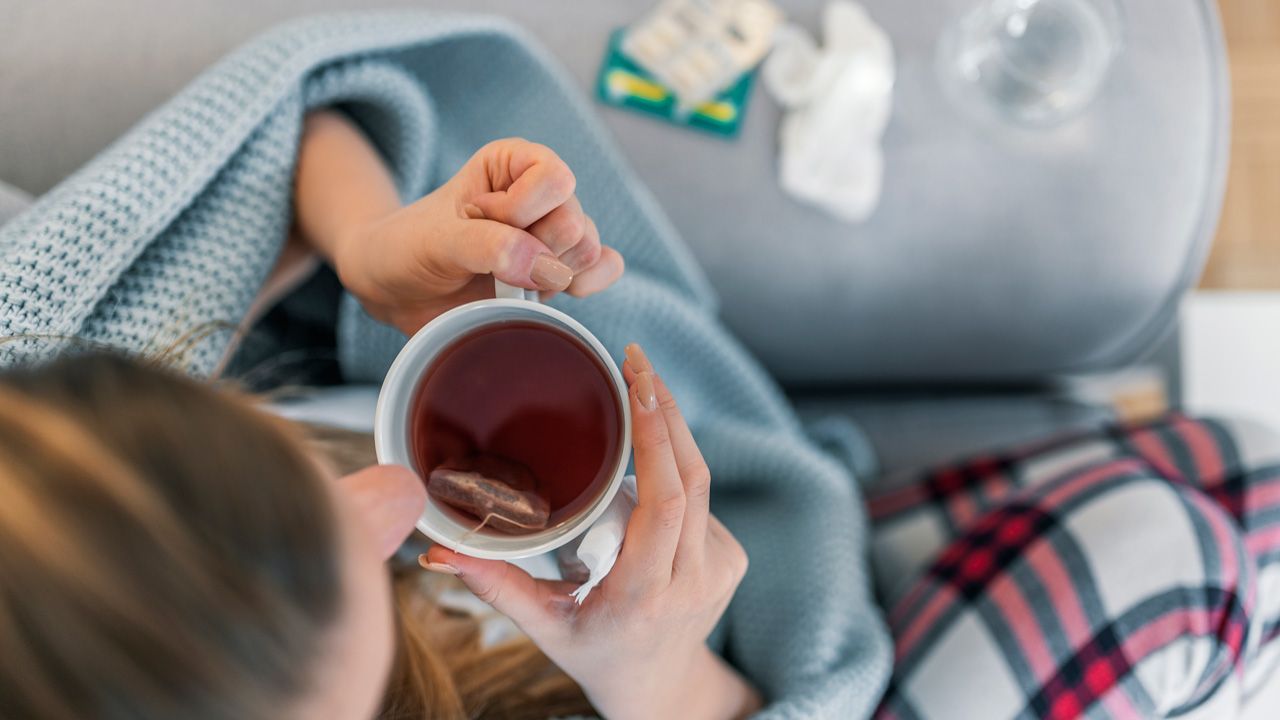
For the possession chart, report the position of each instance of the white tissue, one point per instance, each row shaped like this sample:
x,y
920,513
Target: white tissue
x,y
598,550
838,99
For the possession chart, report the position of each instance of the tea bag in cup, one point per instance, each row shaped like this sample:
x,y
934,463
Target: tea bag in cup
x,y
499,492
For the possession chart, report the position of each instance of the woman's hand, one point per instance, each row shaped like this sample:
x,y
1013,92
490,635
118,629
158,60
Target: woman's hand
x,y
509,213
637,646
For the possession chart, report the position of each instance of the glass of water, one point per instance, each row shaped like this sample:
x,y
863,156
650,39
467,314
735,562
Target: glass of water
x,y
1035,63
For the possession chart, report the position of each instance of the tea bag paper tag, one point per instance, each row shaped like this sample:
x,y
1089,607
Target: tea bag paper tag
x,y
599,548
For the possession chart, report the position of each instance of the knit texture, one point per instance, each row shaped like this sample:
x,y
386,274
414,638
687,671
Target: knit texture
x,y
168,234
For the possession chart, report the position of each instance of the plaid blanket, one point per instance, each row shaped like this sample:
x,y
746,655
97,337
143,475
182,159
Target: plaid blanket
x,y
1132,572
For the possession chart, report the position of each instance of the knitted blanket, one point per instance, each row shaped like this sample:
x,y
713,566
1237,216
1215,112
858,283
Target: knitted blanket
x,y
169,233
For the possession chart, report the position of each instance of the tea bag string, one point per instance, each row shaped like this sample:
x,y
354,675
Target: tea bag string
x,y
490,516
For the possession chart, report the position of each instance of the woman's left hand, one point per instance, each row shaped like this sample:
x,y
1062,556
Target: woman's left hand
x,y
637,646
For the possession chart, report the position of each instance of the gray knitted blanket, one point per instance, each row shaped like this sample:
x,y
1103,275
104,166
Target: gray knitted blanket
x,y
168,234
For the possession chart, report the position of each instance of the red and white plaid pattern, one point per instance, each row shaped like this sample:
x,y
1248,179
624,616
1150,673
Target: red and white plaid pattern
x,y
1132,572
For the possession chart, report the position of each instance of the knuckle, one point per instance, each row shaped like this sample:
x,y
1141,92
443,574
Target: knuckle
x,y
668,402
727,593
589,252
648,609
541,150
489,593
739,562
670,511
497,146
499,235
512,142
697,480
504,246
652,570
558,173
562,179
653,438
572,227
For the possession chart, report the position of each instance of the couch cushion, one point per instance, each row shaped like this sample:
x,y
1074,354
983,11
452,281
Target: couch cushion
x,y
994,254
912,433
12,202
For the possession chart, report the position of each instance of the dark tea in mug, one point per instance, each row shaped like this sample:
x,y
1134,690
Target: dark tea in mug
x,y
521,394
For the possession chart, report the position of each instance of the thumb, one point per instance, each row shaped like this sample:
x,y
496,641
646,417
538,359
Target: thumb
x,y
508,589
389,499
512,255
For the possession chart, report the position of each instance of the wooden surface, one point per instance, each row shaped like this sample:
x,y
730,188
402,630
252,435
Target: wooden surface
x,y
1246,254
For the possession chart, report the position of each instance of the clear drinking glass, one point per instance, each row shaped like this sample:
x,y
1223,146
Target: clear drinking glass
x,y
1032,62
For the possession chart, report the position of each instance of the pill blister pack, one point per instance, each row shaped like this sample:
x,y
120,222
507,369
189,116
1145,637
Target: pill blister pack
x,y
698,48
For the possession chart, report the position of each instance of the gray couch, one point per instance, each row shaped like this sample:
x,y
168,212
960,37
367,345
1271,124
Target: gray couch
x,y
997,261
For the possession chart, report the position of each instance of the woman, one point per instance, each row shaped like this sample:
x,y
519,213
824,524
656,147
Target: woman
x,y
250,578
220,617
170,551
173,230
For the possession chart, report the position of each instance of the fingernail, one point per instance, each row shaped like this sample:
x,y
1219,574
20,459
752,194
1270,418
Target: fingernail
x,y
639,361
437,567
644,391
551,274
472,211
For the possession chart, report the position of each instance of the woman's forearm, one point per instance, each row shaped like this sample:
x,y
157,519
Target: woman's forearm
x,y
722,692
341,183
707,689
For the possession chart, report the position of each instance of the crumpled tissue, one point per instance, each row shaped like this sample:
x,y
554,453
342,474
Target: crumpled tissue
x,y
597,550
838,100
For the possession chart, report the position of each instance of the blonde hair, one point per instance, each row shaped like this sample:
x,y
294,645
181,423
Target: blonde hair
x,y
169,551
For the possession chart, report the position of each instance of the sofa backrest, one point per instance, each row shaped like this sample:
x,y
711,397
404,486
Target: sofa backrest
x,y
994,255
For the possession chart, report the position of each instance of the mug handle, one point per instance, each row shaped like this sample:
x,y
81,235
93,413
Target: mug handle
x,y
503,291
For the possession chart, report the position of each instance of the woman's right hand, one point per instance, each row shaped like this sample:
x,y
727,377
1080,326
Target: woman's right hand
x,y
510,212
637,646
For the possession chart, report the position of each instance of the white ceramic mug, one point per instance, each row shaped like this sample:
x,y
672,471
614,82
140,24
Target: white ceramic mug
x,y
393,421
